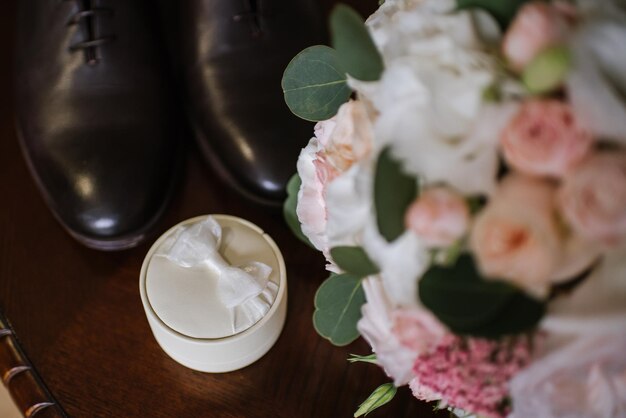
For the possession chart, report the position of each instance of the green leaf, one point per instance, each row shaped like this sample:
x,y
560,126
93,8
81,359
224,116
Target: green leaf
x,y
394,191
353,260
382,395
314,84
548,70
355,48
471,305
289,209
502,10
355,358
338,304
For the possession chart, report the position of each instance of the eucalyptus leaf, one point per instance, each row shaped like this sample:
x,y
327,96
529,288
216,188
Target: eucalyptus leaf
x,y
353,260
381,395
289,209
394,191
468,304
314,84
503,11
338,304
355,48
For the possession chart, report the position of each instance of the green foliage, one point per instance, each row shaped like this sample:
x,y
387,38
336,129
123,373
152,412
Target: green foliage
x,y
356,51
548,70
382,395
314,84
470,305
503,11
338,304
289,209
394,191
353,260
355,358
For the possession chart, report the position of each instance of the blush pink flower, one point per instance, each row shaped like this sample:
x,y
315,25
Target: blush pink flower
x,y
396,335
537,26
472,374
439,216
338,144
545,139
416,329
593,198
515,237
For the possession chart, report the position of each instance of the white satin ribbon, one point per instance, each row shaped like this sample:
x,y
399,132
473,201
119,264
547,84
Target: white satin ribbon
x,y
246,289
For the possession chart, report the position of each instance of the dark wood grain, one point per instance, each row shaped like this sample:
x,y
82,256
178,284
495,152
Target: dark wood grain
x,y
80,321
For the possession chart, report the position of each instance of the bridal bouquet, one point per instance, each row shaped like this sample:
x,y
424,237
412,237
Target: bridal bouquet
x,y
467,186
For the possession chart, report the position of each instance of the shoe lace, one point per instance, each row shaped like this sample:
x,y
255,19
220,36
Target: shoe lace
x,y
252,16
86,16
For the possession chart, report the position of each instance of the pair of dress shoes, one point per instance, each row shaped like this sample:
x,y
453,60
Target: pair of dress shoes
x,y
99,115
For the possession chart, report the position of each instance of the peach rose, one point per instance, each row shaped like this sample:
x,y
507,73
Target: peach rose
x,y
593,198
515,237
537,26
439,216
544,138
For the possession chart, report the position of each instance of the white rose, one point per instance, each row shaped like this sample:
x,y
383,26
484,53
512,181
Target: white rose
x,y
430,96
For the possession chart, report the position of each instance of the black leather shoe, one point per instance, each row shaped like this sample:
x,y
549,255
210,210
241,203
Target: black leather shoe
x,y
231,56
95,115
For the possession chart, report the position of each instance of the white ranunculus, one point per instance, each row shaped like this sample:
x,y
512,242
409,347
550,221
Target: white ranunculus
x,y
430,96
597,82
585,378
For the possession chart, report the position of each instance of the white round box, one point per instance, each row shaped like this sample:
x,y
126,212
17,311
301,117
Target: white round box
x,y
218,355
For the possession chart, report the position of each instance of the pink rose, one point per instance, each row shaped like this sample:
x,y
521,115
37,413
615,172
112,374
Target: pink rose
x,y
338,144
544,138
439,216
515,237
593,198
536,27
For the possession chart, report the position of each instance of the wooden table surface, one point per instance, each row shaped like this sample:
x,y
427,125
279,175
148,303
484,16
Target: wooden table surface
x,y
80,321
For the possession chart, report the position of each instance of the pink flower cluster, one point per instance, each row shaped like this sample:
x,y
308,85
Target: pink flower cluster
x,y
563,200
471,373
